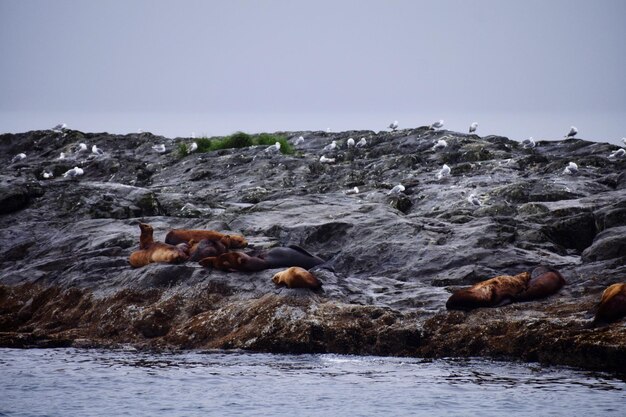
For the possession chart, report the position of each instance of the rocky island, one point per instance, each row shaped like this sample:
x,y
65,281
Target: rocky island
x,y
394,254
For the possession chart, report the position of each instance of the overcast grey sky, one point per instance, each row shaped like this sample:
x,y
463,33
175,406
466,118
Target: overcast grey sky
x,y
170,67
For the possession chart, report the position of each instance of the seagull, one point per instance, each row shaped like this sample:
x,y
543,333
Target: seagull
x,y
571,169
444,172
441,144
47,175
473,200
18,157
80,148
325,160
397,189
331,146
96,151
473,127
328,130
159,148
572,132
355,190
62,155
59,127
528,143
436,125
350,142
618,153
192,147
361,143
74,172
273,148
393,126
299,141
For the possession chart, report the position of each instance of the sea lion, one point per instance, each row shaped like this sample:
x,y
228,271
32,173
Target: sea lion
x,y
544,281
151,251
176,236
296,277
235,261
612,305
279,257
493,292
205,248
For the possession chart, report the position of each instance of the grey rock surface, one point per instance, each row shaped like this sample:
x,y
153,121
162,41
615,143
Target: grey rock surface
x,y
401,252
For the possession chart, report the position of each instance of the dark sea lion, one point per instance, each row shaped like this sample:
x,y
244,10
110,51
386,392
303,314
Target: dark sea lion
x,y
176,236
612,305
205,248
296,277
291,255
544,281
279,257
493,292
151,251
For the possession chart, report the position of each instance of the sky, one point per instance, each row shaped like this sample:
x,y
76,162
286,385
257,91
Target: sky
x,y
519,69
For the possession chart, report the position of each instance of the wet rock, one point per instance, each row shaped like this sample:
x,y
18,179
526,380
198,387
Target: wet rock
x,y
392,260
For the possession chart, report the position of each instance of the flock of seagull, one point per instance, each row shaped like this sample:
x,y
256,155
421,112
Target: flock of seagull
x,y
570,169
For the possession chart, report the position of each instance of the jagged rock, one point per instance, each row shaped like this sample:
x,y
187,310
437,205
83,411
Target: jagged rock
x,y
392,259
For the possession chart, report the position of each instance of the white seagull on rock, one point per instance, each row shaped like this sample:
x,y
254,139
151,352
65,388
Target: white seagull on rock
x,y
74,172
355,190
192,147
362,143
273,148
441,144
60,127
47,175
18,157
160,148
436,125
81,147
96,151
572,132
473,127
393,126
571,169
443,172
325,160
62,155
299,140
473,200
397,189
618,153
331,146
528,143
350,142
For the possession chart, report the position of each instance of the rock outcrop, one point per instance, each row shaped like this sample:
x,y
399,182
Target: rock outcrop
x,y
395,257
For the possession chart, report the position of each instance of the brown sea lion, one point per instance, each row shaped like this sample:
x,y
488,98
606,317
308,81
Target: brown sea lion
x,y
544,281
235,261
151,251
612,305
296,277
493,292
279,257
176,236
205,248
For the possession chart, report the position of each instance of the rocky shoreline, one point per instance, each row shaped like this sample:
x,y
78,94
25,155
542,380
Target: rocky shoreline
x,y
65,242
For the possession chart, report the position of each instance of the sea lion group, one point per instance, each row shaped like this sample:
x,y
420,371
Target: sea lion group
x,y
217,250
214,249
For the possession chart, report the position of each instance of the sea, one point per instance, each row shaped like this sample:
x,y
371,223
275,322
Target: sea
x,y
126,382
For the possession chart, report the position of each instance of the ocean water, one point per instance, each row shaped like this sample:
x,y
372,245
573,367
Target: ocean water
x,y
73,382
